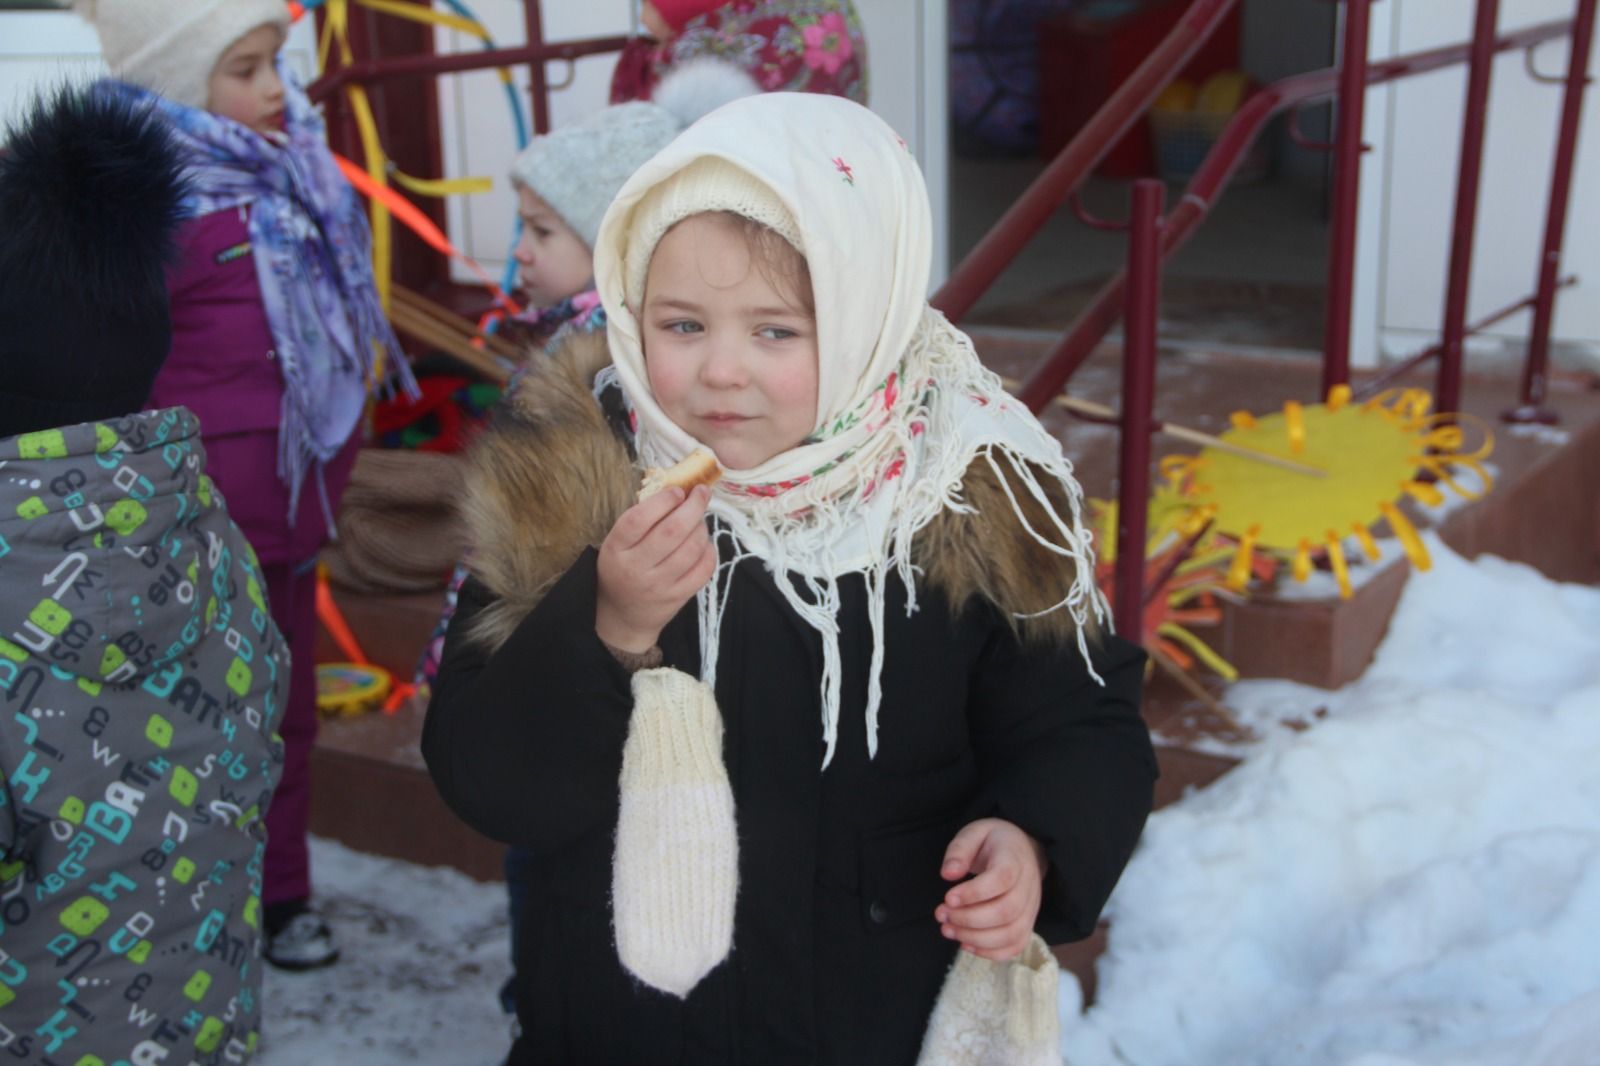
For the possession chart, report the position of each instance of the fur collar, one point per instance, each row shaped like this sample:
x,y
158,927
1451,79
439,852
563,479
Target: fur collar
x,y
549,477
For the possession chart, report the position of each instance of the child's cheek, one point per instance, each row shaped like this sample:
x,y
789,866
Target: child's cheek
x,y
665,368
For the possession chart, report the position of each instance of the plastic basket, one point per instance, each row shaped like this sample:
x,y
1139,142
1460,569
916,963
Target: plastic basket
x,y
1183,139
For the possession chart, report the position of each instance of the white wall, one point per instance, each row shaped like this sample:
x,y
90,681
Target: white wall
x,y
1409,185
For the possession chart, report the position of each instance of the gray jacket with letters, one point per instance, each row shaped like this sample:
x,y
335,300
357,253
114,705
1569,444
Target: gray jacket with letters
x,y
141,679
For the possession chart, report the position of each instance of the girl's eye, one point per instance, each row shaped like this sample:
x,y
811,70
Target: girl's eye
x,y
684,325
776,333
541,233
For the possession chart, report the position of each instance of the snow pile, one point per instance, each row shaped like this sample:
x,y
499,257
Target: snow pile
x,y
1412,881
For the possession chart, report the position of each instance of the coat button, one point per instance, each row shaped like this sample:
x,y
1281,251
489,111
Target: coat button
x,y
878,912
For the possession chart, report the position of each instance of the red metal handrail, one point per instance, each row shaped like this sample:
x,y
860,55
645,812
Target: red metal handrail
x,y
1532,407
368,72
1138,402
1475,116
1087,149
1095,321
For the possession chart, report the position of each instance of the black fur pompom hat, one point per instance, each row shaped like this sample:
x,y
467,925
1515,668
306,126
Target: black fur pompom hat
x,y
91,193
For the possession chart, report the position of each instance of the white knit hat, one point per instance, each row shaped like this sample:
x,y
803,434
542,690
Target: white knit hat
x,y
707,184
172,46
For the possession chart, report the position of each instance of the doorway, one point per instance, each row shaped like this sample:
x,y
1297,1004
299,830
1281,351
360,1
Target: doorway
x,y
1026,74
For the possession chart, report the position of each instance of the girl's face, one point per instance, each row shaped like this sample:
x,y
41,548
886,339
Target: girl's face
x,y
245,85
731,359
553,263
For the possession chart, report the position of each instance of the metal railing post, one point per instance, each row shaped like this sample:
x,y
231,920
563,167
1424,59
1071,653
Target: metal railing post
x,y
538,84
1138,399
1348,149
1531,400
1447,391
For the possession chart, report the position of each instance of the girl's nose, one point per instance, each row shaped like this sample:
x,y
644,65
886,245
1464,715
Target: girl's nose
x,y
724,366
524,250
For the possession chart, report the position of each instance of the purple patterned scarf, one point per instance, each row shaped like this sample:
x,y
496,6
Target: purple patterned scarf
x,y
313,258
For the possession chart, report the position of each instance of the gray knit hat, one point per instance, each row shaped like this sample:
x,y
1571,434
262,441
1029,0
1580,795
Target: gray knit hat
x,y
579,168
172,46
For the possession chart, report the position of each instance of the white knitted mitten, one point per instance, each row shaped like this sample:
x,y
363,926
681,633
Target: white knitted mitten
x,y
676,869
997,1013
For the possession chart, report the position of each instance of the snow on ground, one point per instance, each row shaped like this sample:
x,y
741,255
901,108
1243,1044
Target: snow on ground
x,y
423,953
1412,881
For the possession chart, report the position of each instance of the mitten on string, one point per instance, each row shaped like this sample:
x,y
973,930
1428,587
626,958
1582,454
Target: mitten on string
x,y
676,869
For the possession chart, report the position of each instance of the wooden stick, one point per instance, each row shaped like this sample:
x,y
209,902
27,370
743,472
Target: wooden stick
x,y
453,344
1195,689
419,325
1193,436
447,317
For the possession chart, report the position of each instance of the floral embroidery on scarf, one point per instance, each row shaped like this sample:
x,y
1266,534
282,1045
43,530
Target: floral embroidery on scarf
x,y
827,42
844,168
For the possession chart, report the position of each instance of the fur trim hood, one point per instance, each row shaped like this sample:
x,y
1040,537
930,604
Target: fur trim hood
x,y
550,476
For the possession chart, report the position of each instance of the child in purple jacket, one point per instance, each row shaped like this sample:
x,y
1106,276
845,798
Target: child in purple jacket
x,y
277,333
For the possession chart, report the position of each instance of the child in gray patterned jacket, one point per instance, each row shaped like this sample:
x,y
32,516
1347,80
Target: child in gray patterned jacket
x,y
141,677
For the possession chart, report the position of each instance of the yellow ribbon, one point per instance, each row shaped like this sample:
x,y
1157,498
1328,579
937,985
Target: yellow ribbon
x,y
1239,569
1341,571
419,13
1369,547
1200,649
439,188
1294,422
1415,550
1302,561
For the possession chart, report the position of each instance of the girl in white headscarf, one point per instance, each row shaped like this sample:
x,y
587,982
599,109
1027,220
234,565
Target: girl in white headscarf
x,y
790,742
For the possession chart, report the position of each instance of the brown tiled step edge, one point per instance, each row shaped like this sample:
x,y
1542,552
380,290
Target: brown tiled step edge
x,y
371,792
370,789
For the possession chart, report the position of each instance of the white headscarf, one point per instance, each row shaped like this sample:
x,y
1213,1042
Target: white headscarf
x,y
903,405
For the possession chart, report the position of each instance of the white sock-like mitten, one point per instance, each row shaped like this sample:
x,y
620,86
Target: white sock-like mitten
x,y
676,869
997,1013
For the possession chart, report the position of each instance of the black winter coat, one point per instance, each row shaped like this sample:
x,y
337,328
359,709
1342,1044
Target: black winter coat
x,y
837,957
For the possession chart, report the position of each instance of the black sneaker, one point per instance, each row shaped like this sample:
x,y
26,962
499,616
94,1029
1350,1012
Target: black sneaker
x,y
300,940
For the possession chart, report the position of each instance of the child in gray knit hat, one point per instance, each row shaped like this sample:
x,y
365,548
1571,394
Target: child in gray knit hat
x,y
566,179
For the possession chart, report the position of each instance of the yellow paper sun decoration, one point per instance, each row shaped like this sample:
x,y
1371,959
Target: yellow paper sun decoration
x,y
1366,456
